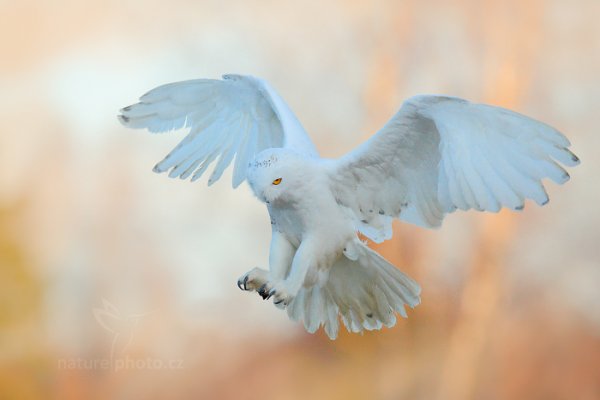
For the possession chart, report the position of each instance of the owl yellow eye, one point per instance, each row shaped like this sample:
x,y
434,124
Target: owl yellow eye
x,y
277,181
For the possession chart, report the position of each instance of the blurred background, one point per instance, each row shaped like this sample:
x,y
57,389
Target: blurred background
x,y
117,283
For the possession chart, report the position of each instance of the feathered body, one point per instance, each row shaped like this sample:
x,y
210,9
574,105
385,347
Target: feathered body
x,y
436,155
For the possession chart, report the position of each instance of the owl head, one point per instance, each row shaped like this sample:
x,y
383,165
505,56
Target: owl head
x,y
274,175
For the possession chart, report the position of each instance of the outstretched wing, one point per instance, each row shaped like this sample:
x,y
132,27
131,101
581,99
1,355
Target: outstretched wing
x,y
238,116
438,154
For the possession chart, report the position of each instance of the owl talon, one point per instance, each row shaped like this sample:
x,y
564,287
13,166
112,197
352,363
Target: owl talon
x,y
262,292
242,283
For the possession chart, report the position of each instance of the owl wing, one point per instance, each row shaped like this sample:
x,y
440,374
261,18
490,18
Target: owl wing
x,y
440,153
238,116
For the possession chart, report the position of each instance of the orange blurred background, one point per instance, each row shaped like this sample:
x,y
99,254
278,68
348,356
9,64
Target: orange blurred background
x,y
117,283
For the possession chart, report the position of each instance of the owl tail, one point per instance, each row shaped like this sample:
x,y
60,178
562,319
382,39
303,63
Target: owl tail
x,y
362,287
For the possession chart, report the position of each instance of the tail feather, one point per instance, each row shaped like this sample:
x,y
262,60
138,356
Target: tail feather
x,y
365,294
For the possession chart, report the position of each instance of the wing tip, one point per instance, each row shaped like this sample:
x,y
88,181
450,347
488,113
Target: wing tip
x,y
123,119
231,77
158,169
236,183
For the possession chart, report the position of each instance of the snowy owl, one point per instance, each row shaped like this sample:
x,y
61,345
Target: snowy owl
x,y
436,154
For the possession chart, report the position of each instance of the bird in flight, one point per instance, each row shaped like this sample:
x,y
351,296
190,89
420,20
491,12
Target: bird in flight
x,y
437,154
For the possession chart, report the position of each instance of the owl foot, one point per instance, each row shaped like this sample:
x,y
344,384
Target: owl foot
x,y
253,279
280,295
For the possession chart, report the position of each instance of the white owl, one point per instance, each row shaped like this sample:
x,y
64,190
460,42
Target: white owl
x,y
436,155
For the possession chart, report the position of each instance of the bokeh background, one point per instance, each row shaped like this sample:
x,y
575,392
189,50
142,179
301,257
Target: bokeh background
x,y
102,261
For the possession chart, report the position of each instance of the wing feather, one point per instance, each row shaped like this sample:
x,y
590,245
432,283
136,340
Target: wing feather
x,y
236,117
439,154
227,155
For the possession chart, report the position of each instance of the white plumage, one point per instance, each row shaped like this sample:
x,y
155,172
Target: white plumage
x,y
436,155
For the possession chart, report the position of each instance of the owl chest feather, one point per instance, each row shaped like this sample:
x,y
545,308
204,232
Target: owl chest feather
x,y
314,214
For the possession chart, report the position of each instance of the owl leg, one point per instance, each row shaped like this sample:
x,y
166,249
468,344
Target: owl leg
x,y
281,254
284,292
